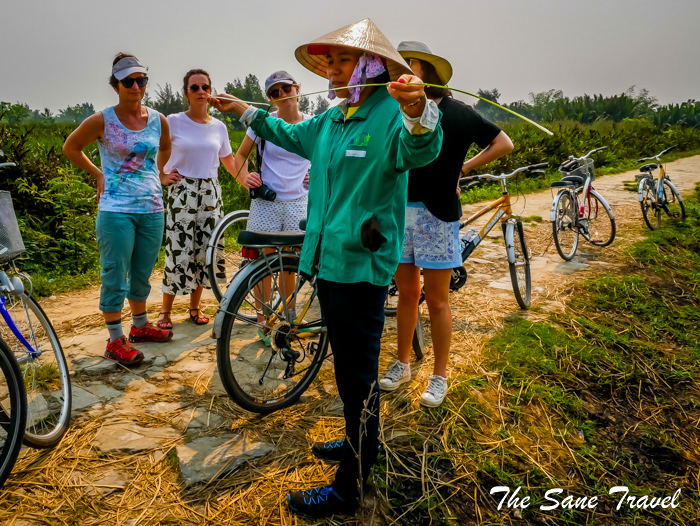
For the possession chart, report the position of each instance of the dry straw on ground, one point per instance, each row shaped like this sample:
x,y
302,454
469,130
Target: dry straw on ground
x,y
60,486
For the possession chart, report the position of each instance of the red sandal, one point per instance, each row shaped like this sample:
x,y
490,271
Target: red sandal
x,y
198,319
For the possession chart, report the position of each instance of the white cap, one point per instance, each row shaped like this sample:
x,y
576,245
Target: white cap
x,y
127,66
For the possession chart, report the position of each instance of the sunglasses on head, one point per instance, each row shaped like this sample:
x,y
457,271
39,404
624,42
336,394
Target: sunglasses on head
x,y
277,93
129,82
194,88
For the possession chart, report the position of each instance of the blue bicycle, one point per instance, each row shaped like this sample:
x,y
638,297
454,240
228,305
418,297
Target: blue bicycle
x,y
28,333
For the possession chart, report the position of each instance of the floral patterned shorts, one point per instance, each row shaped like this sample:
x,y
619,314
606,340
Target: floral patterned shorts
x,y
192,209
429,242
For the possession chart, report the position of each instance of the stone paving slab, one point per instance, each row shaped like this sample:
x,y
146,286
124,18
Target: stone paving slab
x,y
207,458
130,438
82,399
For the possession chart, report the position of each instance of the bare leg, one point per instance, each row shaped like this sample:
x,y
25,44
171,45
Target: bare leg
x,y
137,307
437,296
195,297
164,320
407,278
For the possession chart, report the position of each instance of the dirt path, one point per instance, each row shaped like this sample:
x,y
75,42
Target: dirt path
x,y
126,421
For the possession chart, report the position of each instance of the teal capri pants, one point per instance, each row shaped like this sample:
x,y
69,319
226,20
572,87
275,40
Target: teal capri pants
x,y
129,246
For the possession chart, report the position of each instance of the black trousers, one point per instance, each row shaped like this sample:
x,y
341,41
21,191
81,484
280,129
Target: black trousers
x,y
354,315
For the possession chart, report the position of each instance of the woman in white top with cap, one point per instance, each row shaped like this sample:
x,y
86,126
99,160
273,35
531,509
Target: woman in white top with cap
x,y
283,172
286,174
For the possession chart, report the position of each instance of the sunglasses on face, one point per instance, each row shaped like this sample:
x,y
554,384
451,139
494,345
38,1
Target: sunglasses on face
x,y
277,93
194,88
129,82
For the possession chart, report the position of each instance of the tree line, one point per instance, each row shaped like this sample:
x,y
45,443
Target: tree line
x,y
166,100
547,106
552,105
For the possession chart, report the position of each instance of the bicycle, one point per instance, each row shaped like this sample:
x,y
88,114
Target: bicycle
x,y
658,195
13,411
578,209
33,342
225,256
258,378
516,248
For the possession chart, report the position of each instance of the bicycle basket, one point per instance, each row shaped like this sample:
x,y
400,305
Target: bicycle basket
x,y
11,244
585,167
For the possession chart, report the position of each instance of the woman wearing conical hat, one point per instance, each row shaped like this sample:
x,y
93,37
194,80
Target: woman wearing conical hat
x,y
360,153
431,241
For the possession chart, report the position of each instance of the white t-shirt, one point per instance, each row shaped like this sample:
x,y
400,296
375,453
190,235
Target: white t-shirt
x,y
283,171
197,147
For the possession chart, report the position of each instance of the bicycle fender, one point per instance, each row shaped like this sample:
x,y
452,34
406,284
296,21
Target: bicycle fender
x,y
555,203
640,190
605,203
241,276
680,197
510,242
228,218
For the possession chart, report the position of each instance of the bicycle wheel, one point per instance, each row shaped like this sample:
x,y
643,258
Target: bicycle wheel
x,y
13,411
564,225
224,257
647,200
45,374
673,207
601,221
264,379
518,263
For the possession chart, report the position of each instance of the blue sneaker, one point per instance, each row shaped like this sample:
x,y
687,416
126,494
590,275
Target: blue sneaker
x,y
320,502
330,451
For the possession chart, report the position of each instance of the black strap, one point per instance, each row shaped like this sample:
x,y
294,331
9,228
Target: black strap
x,y
260,152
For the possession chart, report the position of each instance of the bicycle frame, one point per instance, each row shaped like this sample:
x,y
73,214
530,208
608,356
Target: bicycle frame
x,y
503,213
5,288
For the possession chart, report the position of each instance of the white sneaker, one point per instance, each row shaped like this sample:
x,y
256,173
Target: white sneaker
x,y
397,374
436,391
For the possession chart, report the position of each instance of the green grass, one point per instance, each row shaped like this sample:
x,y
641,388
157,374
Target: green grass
x,y
602,395
44,377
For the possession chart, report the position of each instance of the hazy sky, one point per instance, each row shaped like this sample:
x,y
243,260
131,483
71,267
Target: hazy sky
x,y
55,53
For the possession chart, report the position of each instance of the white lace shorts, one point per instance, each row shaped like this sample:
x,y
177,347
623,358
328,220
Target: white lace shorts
x,y
276,216
429,242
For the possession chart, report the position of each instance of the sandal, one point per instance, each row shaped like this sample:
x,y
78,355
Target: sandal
x,y
162,323
199,318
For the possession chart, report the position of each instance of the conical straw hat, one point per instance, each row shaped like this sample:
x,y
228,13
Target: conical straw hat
x,y
360,35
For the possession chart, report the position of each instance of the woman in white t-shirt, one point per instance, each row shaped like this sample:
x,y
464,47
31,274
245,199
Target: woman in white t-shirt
x,y
193,204
285,173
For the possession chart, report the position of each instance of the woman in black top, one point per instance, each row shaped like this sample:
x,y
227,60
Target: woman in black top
x,y
431,238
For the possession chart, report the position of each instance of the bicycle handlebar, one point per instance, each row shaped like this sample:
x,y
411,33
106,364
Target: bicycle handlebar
x,y
502,177
593,151
3,165
656,157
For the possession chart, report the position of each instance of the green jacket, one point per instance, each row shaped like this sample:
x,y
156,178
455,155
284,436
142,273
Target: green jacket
x,y
359,168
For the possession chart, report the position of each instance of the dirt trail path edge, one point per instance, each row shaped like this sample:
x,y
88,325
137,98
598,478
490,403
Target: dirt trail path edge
x,y
141,436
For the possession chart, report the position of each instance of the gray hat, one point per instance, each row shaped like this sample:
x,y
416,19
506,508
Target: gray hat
x,y
278,77
127,66
412,49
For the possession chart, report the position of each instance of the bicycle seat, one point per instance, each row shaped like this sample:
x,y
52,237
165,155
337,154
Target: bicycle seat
x,y
562,184
273,239
576,179
649,167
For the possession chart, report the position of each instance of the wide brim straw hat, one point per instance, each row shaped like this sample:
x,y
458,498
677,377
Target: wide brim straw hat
x,y
412,49
363,35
